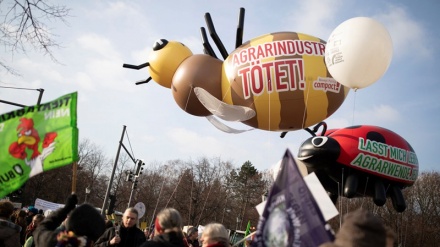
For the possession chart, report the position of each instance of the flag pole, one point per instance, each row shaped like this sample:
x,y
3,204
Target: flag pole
x,y
74,176
244,239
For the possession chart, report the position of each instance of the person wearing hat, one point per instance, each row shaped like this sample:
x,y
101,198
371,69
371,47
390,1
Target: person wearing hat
x,y
30,213
360,228
167,230
192,238
126,235
82,228
9,232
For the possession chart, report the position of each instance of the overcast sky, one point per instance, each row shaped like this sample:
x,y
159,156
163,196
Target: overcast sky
x,y
102,35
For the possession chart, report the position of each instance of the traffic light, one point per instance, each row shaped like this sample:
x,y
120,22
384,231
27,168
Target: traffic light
x,y
135,182
111,206
139,167
129,175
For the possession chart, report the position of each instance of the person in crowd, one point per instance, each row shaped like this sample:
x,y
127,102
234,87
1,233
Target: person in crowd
x,y
193,237
391,236
147,233
20,219
82,228
167,230
9,231
360,228
215,235
47,212
30,213
33,225
108,224
125,235
38,218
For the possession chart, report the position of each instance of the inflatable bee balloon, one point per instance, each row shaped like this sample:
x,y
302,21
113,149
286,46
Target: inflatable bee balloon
x,y
275,82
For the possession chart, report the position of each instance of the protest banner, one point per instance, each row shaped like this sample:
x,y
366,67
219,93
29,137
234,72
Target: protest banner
x,y
36,139
291,216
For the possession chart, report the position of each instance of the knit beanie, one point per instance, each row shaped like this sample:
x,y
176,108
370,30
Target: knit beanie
x,y
361,228
85,220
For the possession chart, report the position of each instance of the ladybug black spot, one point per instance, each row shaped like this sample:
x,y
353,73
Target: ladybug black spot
x,y
376,136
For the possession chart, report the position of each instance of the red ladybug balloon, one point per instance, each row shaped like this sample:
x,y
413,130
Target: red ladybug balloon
x,y
365,160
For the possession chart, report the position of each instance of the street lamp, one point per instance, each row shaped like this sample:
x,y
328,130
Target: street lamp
x,y
88,190
264,197
238,221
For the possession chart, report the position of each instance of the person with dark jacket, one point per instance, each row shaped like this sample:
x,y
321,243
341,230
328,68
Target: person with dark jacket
x,y
126,235
193,237
167,230
9,232
360,228
83,226
20,219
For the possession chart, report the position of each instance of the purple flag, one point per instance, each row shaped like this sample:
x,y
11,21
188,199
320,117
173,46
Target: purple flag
x,y
291,216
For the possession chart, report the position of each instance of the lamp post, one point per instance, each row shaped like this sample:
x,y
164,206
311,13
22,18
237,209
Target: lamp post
x,y
88,190
238,221
264,197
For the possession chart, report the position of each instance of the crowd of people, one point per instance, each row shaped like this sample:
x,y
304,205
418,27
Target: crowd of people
x,y
83,226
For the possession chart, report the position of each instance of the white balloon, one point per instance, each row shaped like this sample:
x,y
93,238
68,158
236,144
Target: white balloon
x,y
358,52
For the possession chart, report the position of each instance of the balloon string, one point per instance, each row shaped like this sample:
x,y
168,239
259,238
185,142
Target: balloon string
x,y
204,204
340,202
342,191
305,109
191,196
365,190
157,203
189,96
175,189
354,107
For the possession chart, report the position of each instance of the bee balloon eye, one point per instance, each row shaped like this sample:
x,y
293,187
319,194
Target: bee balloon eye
x,y
159,44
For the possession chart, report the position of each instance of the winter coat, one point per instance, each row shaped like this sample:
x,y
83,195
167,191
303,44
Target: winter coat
x,y
169,239
130,237
9,234
45,235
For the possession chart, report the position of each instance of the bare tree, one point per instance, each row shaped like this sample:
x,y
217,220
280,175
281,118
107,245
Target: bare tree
x,y
92,165
25,25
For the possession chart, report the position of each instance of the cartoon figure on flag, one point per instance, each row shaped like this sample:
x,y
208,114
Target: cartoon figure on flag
x,y
291,216
29,139
36,139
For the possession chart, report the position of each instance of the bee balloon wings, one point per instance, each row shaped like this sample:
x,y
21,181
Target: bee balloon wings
x,y
272,92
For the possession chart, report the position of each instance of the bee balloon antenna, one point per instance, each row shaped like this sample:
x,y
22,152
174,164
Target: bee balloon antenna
x,y
144,81
240,27
206,45
207,48
138,67
215,37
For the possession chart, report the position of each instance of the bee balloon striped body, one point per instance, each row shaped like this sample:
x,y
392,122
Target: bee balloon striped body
x,y
283,77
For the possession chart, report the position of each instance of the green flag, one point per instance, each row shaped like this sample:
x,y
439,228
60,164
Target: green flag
x,y
36,139
247,232
248,229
